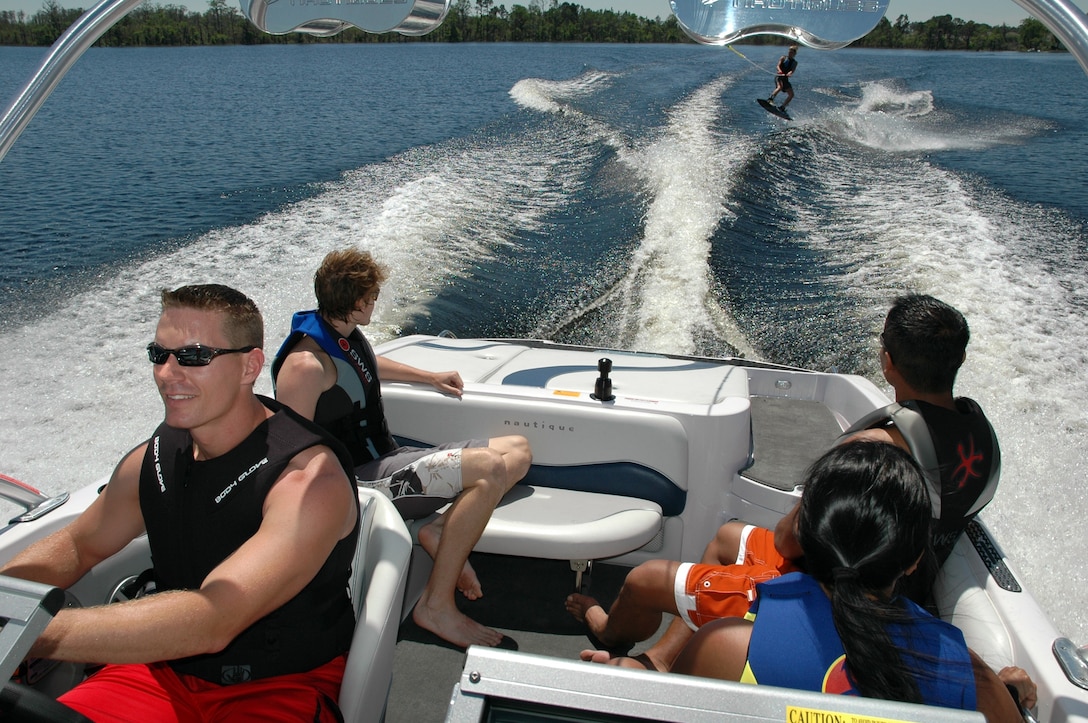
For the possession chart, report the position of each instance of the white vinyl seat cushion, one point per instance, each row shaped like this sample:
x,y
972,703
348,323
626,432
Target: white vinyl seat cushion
x,y
558,524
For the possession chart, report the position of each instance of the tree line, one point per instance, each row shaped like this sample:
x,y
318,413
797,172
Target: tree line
x,y
223,24
947,33
483,21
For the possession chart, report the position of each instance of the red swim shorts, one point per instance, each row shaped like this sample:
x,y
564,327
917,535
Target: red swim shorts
x,y
710,592
145,693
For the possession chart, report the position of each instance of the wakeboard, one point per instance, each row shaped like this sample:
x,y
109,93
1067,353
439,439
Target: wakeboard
x,y
773,109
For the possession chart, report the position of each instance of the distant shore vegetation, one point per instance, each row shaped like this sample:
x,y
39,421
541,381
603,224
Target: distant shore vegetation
x,y
544,21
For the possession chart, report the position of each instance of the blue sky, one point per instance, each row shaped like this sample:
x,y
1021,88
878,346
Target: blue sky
x,y
993,12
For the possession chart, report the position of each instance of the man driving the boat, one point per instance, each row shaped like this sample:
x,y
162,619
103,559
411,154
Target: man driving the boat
x,y
327,371
924,343
251,517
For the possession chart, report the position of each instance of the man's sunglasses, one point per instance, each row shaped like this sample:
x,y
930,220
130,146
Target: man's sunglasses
x,y
194,355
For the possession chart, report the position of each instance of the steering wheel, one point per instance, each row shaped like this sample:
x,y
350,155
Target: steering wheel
x,y
26,705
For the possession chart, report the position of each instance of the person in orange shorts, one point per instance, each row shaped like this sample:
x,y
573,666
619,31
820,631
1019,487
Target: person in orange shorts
x,y
721,585
705,592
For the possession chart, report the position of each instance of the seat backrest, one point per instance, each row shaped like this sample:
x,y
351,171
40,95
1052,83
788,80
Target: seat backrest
x,y
378,576
359,573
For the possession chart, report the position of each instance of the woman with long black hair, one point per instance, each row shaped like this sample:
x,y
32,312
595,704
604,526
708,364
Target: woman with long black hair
x,y
863,523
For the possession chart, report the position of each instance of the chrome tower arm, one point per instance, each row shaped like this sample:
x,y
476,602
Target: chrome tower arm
x,y
1068,24
67,49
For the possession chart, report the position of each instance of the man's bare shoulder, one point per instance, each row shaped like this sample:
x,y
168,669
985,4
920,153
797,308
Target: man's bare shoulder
x,y
126,475
318,459
314,478
319,467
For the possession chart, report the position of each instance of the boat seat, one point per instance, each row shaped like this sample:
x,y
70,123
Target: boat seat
x,y
556,524
603,478
379,574
559,524
959,593
622,479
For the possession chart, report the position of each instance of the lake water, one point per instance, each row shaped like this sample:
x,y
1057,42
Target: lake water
x,y
630,196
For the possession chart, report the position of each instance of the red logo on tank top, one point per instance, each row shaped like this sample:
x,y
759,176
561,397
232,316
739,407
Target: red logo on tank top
x,y
344,344
966,471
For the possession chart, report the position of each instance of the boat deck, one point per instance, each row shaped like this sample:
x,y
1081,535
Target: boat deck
x,y
788,435
523,599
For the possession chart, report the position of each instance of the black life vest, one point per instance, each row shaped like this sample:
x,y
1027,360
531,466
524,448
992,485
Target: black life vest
x,y
352,409
958,453
197,513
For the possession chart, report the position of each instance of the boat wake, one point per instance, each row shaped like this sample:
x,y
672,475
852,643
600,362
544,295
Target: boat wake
x,y
668,300
671,301
435,215
890,119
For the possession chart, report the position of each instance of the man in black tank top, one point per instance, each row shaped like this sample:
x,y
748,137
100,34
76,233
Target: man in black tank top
x,y
252,600
923,345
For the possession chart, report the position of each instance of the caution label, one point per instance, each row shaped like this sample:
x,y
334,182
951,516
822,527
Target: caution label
x,y
812,715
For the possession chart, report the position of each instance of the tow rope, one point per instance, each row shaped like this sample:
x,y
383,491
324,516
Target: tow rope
x,y
753,64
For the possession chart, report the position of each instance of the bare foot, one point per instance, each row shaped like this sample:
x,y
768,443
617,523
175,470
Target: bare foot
x,y
596,656
620,661
454,626
467,583
587,610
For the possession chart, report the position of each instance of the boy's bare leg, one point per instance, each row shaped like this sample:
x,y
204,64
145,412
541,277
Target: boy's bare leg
x,y
516,457
483,472
430,536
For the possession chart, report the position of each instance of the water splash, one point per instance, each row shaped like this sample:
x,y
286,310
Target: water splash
x,y
886,97
888,118
668,288
554,96
667,300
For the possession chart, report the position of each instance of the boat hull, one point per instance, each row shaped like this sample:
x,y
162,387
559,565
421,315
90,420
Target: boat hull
x,y
683,445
